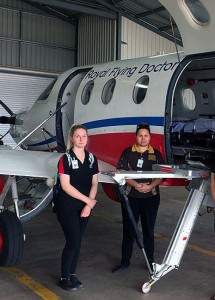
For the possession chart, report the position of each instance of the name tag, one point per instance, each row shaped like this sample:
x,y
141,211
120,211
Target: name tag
x,y
75,164
140,163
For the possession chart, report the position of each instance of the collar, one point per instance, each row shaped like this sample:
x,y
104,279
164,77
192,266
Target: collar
x,y
135,148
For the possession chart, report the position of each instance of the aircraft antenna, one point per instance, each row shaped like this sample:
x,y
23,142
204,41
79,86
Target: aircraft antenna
x,y
173,33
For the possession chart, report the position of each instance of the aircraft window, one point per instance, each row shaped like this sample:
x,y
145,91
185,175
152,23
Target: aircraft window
x,y
87,90
140,89
197,11
189,100
108,90
47,91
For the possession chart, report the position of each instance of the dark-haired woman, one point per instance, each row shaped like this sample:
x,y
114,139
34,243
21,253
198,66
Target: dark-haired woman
x,y
143,195
77,171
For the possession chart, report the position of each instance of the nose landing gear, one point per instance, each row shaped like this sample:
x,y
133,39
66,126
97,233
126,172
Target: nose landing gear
x,y
199,176
147,286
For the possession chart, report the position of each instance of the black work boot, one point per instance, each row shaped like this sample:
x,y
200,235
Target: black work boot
x,y
74,280
67,285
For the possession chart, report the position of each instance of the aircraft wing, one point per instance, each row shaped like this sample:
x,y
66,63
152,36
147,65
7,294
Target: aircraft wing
x,y
31,168
105,167
38,164
28,163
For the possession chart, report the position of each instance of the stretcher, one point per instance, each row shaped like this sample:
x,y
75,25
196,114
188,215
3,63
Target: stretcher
x,y
199,193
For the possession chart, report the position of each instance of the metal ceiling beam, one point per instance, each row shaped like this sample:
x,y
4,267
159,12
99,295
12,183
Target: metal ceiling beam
x,y
117,1
141,22
155,29
151,12
81,8
168,27
111,13
53,12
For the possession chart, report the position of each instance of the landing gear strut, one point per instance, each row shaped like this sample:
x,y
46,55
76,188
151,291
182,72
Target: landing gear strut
x,y
20,200
199,176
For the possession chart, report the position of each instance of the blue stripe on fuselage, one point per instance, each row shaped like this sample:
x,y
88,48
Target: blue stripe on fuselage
x,y
154,121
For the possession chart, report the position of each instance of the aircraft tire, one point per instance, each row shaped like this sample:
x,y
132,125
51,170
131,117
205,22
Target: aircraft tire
x,y
11,239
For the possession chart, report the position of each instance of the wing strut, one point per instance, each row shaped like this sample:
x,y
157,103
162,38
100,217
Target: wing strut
x,y
52,136
35,129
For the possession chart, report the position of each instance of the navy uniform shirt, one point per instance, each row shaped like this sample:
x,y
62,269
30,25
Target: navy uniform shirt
x,y
132,159
80,176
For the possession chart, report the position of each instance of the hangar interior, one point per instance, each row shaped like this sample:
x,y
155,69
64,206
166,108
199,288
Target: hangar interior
x,y
57,35
39,39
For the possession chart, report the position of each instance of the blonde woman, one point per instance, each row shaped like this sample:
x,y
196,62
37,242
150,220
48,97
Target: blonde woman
x,y
78,173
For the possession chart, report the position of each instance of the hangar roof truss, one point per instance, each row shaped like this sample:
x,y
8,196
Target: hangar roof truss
x,y
147,13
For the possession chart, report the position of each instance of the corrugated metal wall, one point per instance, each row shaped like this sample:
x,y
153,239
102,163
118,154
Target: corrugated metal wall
x,y
138,41
96,40
97,36
31,39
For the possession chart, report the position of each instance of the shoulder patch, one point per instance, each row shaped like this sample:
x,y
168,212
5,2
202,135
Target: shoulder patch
x,y
69,158
152,157
91,159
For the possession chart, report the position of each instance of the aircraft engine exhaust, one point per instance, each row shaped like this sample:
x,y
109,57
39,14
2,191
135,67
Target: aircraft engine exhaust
x,y
7,120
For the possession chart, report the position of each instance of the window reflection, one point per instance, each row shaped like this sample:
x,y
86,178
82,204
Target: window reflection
x,y
108,90
189,100
47,91
140,89
86,93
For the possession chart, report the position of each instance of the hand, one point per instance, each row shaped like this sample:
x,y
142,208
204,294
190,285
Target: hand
x,y
144,188
85,211
138,186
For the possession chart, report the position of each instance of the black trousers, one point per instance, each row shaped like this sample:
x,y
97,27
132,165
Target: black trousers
x,y
73,227
144,209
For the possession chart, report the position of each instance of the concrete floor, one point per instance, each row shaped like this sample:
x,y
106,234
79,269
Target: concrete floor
x,y
37,275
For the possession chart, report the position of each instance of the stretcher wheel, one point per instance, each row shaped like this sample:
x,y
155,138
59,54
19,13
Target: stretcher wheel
x,y
146,287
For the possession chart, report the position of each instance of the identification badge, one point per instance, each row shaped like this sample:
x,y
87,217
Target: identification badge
x,y
140,163
75,164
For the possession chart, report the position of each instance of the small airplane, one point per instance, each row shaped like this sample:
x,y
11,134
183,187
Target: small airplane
x,y
174,93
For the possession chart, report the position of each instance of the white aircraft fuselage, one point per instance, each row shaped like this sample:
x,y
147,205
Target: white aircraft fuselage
x,y
111,99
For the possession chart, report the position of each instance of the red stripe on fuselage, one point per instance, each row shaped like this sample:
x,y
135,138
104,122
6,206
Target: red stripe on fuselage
x,y
108,147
